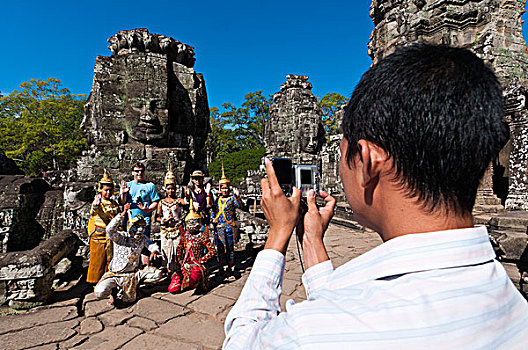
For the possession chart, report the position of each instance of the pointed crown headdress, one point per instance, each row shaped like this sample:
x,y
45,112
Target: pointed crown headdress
x,y
170,178
193,215
138,220
105,180
224,179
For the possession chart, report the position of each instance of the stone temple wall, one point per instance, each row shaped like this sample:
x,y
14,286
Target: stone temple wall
x,y
493,30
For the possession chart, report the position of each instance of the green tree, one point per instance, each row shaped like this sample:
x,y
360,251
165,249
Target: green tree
x,y
221,140
238,128
330,104
237,164
39,126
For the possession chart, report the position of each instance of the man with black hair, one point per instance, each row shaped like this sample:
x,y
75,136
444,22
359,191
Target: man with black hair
x,y
419,131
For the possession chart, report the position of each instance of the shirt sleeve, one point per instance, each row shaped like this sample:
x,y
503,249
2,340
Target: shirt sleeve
x,y
315,278
255,321
112,229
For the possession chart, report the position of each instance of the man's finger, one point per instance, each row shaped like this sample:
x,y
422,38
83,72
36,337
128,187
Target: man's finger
x,y
328,210
296,195
264,184
272,178
310,200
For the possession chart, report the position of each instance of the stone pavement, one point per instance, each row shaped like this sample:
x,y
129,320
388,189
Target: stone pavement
x,y
160,319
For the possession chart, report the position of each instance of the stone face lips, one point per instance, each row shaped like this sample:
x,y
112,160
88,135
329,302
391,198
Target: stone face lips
x,y
294,128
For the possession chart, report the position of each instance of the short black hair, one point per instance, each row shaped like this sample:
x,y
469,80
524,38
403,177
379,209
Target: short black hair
x,y
138,165
438,113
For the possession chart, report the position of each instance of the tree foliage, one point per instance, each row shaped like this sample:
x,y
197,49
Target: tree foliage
x,y
330,104
238,128
237,164
39,126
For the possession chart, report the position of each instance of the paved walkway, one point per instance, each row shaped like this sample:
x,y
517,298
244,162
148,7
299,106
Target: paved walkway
x,y
159,319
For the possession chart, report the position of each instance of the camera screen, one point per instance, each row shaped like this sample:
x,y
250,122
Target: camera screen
x,y
306,177
283,170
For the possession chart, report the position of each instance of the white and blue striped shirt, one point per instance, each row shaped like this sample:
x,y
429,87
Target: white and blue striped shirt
x,y
438,290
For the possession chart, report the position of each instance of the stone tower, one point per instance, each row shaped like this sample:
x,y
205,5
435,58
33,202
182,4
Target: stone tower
x,y
147,104
493,30
294,129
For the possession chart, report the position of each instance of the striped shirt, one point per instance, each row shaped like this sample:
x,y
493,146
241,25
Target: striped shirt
x,y
435,290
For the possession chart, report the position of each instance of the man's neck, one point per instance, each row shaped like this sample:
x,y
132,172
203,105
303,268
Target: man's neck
x,y
394,214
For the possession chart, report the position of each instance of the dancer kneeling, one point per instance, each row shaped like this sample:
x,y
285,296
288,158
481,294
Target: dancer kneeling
x,y
194,241
123,271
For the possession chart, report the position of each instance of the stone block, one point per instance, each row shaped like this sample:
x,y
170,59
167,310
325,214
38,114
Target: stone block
x,y
111,338
151,341
211,304
34,318
90,325
211,334
511,221
39,335
159,311
510,245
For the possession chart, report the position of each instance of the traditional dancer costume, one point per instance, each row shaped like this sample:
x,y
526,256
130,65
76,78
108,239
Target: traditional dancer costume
x,y
123,269
224,216
194,242
100,245
170,217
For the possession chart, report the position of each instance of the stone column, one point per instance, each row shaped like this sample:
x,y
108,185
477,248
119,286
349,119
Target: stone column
x,y
518,189
486,200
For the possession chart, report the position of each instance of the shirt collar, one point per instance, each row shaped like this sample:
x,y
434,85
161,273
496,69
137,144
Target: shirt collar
x,y
417,252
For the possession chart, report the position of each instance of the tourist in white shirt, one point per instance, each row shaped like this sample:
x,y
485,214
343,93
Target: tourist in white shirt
x,y
419,131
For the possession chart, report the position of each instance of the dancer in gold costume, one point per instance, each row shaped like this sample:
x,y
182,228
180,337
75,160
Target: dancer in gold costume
x,y
103,209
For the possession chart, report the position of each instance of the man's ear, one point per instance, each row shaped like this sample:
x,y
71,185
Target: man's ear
x,y
372,161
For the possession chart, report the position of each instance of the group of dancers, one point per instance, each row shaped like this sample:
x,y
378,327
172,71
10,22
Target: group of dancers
x,y
121,250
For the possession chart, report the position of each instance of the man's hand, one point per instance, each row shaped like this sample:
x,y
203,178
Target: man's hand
x,y
154,255
126,208
281,212
236,192
124,188
143,206
97,200
313,227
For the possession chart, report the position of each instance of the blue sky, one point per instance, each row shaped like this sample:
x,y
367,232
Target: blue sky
x,y
240,46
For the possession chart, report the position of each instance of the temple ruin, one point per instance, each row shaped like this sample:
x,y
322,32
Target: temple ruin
x,y
147,104
294,128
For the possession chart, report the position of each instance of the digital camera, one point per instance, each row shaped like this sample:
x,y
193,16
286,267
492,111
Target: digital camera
x,y
303,176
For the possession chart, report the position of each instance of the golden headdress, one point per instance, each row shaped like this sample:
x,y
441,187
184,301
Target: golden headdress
x,y
224,179
192,214
138,220
105,180
169,177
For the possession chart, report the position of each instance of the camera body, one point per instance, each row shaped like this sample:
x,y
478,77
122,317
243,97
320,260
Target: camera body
x,y
303,176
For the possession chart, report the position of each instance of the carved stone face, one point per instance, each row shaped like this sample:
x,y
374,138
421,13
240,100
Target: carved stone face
x,y
146,102
147,119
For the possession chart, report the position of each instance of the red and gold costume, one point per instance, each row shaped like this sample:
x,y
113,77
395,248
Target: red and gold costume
x,y
100,245
190,252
